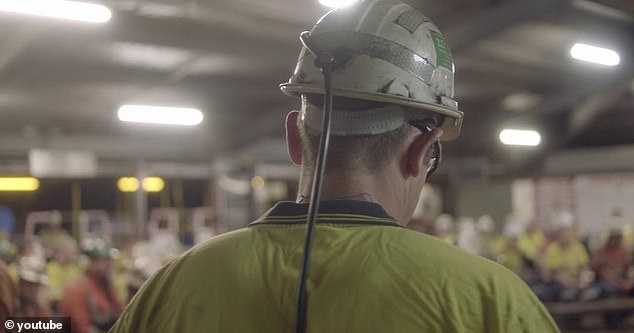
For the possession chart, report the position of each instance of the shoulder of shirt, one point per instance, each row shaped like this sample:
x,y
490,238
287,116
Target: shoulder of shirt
x,y
454,264
417,244
412,249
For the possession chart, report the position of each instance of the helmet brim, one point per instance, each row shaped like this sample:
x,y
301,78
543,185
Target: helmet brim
x,y
451,126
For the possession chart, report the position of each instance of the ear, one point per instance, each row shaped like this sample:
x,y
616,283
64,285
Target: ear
x,y
414,160
293,139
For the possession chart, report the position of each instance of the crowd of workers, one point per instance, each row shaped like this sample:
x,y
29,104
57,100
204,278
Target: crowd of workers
x,y
551,257
92,281
89,281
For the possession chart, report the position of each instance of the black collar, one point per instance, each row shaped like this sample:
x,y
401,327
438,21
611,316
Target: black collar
x,y
330,211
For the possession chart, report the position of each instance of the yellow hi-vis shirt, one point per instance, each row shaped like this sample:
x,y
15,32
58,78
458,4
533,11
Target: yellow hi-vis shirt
x,y
530,244
367,274
570,260
59,276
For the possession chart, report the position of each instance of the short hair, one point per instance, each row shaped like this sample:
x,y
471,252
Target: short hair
x,y
365,152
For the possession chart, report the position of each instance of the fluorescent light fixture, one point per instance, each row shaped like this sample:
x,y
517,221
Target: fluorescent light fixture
x,y
128,184
19,184
70,10
336,3
520,137
160,115
153,184
595,54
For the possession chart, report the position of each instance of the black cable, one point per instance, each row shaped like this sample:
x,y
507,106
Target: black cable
x,y
323,60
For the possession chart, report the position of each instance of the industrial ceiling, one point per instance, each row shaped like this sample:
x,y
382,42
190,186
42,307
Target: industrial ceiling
x,y
61,83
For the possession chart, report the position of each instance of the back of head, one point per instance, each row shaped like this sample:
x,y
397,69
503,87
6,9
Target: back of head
x,y
391,65
385,51
65,251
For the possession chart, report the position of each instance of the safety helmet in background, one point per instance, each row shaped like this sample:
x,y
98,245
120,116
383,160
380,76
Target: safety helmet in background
x,y
98,248
513,229
485,223
141,270
385,51
562,220
32,268
443,223
7,250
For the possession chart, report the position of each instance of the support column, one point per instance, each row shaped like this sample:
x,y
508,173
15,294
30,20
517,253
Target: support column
x,y
140,202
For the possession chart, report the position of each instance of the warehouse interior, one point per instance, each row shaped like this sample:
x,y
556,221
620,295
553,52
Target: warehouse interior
x,y
155,190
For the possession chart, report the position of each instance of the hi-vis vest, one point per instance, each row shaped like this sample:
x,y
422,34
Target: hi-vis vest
x,y
367,274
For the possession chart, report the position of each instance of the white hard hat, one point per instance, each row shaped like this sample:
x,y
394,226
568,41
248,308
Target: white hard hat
x,y
513,229
385,51
485,223
466,223
32,268
142,269
444,222
563,219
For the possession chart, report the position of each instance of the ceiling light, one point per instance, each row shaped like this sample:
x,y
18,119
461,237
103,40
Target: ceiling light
x,y
19,184
70,10
153,184
160,115
128,184
520,137
336,3
595,54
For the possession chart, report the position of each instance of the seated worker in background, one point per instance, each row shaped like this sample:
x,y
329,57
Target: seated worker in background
x,y
444,229
63,268
393,84
139,271
488,241
33,298
467,238
531,242
27,248
611,263
53,233
91,301
565,269
509,253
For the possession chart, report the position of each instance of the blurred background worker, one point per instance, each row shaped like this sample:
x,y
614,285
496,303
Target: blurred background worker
x,y
393,85
612,264
444,229
508,252
467,238
488,242
566,262
33,299
63,268
53,234
142,269
531,242
8,293
91,301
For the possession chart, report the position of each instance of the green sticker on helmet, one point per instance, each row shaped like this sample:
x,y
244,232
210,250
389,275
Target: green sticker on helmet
x,y
443,54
